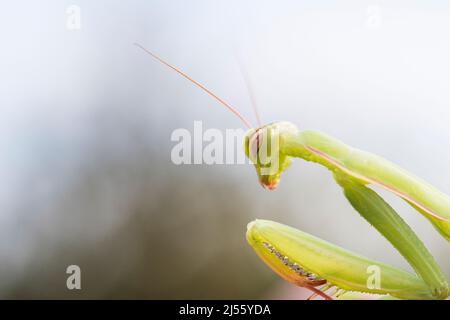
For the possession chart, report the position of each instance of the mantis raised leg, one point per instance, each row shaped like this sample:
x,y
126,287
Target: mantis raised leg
x,y
313,263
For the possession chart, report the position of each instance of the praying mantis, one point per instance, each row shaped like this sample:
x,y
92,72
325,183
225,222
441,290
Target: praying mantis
x,y
313,263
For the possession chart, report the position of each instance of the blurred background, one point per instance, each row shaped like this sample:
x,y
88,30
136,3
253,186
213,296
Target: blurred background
x,y
86,118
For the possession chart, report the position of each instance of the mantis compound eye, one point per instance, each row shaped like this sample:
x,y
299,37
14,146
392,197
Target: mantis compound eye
x,y
259,157
263,148
255,143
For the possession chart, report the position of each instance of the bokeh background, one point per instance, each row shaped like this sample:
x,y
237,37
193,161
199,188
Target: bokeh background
x,y
86,119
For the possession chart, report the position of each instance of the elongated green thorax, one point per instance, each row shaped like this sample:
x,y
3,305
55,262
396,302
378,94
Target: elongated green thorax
x,y
271,147
368,168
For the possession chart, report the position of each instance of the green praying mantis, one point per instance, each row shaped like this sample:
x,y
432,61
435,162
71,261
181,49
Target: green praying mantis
x,y
318,265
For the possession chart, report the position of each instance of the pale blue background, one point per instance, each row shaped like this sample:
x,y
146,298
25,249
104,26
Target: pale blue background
x,y
86,117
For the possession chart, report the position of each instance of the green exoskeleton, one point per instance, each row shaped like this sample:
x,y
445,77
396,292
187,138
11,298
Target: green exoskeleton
x,y
353,170
310,262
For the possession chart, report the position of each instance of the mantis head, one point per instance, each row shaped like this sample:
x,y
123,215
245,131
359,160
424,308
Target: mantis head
x,y
263,146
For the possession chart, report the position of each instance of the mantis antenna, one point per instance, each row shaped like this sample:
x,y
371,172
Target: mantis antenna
x,y
221,101
250,92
